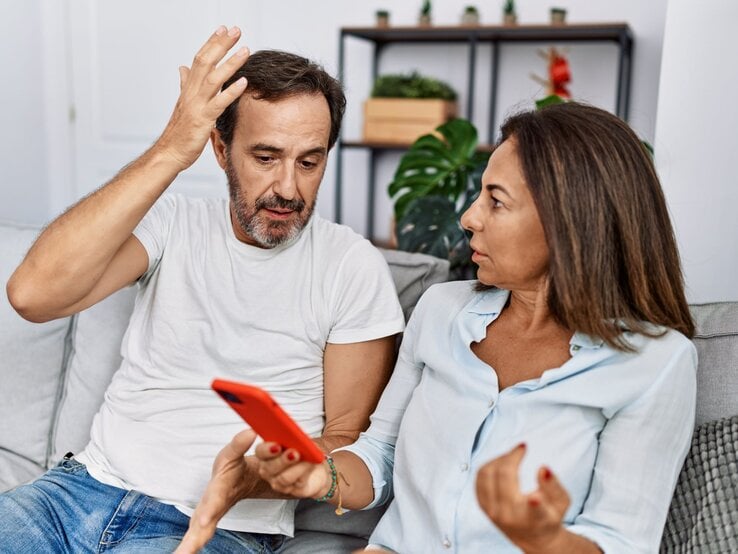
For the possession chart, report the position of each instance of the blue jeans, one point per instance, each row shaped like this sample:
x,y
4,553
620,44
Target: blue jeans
x,y
66,510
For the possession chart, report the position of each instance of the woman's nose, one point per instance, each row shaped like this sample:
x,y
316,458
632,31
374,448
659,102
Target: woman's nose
x,y
469,220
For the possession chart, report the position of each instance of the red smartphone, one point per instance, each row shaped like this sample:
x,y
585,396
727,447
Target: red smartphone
x,y
267,418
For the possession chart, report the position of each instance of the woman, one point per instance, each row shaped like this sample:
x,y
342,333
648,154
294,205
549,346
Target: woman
x,y
547,407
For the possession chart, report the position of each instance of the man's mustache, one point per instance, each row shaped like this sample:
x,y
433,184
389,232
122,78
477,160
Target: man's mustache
x,y
273,202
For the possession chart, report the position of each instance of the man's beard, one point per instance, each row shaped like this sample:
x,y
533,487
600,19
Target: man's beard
x,y
266,232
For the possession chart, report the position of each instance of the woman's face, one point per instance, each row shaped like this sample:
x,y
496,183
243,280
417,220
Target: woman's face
x,y
508,241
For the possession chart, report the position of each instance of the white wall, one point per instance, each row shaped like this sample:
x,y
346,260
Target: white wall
x,y
35,183
24,186
697,143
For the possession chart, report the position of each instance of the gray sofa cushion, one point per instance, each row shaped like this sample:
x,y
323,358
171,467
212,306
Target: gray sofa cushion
x,y
717,349
413,274
32,357
318,530
16,470
94,357
703,516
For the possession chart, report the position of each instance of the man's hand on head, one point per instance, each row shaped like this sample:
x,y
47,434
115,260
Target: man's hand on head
x,y
200,101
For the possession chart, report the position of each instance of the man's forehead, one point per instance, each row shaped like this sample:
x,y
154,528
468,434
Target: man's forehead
x,y
253,101
301,115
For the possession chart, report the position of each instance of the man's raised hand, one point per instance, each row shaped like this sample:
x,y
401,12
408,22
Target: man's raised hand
x,y
200,101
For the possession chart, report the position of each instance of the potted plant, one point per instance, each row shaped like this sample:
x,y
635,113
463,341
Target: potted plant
x,y
509,17
470,16
558,16
436,181
424,19
382,18
404,107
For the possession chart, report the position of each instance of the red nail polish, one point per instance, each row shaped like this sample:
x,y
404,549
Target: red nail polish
x,y
547,474
534,502
521,445
291,456
274,448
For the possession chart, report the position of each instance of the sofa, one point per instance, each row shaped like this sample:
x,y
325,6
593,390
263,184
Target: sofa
x,y
53,377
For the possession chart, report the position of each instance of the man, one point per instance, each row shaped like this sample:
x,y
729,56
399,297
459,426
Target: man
x,y
254,289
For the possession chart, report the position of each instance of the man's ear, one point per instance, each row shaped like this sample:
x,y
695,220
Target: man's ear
x,y
219,147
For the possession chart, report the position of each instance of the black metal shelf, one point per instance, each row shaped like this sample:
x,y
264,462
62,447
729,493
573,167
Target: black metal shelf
x,y
394,146
619,33
489,33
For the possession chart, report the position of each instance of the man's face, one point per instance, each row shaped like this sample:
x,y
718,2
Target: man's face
x,y
274,166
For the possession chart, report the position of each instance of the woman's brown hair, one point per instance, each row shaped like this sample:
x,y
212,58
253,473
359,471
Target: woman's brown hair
x,y
613,261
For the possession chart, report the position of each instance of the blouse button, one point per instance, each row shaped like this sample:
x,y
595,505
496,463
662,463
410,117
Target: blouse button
x,y
446,543
464,467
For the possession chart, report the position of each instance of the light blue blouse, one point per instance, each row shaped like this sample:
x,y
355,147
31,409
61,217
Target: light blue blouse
x,y
613,426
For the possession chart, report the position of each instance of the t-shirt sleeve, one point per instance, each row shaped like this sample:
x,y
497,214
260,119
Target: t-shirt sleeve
x,y
153,230
364,300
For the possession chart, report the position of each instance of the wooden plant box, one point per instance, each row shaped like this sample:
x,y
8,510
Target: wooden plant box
x,y
402,120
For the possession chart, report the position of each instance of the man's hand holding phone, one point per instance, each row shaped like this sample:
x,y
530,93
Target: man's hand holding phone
x,y
234,476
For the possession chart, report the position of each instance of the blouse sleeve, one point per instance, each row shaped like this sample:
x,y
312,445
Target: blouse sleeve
x,y
641,451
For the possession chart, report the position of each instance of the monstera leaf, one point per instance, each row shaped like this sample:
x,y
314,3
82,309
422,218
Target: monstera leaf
x,y
436,180
431,226
435,167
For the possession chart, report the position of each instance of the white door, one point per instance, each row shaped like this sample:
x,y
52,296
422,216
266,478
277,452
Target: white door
x,y
124,56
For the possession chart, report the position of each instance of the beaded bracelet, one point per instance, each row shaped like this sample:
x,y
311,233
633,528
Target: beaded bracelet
x,y
335,486
334,481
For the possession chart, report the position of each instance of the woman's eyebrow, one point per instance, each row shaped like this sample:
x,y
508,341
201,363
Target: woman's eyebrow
x,y
491,187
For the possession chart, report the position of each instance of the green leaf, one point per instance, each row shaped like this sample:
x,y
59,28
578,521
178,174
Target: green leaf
x,y
411,182
550,100
418,161
461,137
437,167
429,144
412,86
431,226
649,148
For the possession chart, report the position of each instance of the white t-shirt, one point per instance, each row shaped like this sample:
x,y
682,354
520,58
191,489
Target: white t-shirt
x,y
211,306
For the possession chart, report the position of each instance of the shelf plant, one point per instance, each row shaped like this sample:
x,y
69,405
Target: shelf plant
x,y
382,18
424,19
435,182
470,16
412,85
404,107
509,16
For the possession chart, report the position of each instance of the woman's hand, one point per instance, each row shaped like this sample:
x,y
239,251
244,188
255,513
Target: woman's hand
x,y
286,474
531,521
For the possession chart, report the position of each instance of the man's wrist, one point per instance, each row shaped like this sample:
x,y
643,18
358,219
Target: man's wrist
x,y
165,159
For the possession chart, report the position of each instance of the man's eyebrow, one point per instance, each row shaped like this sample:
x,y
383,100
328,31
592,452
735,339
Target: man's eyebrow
x,y
263,147
317,150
